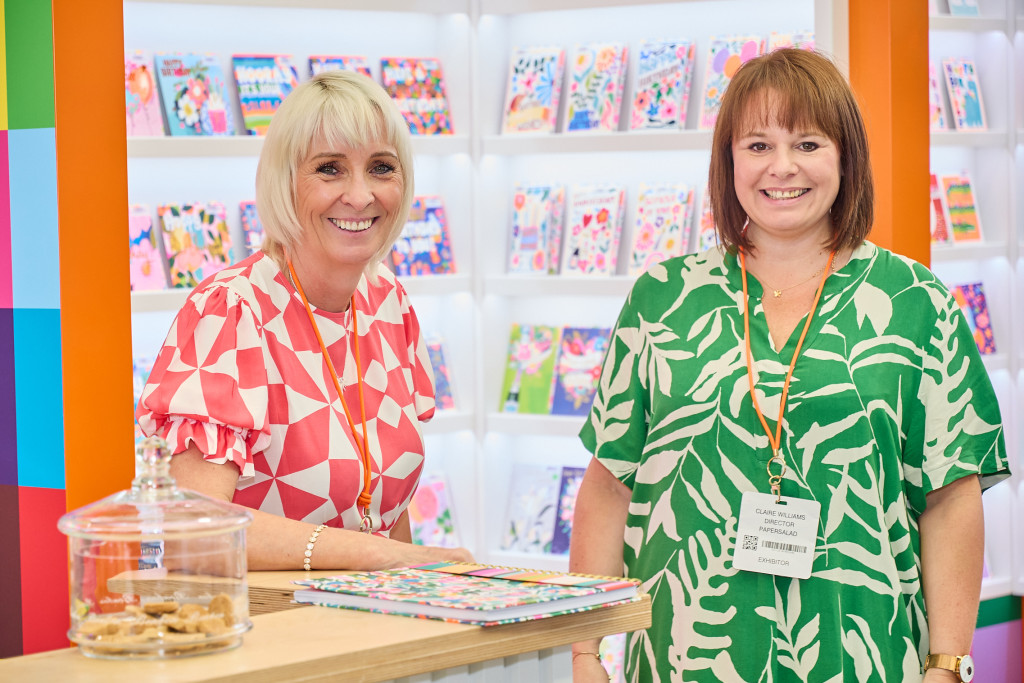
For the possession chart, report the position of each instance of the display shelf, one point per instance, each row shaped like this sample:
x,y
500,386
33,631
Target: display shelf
x,y
574,143
436,285
989,138
527,6
540,425
423,6
159,300
558,285
969,252
996,362
250,146
447,421
938,22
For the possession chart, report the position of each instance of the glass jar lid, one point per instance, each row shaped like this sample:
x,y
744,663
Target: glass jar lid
x,y
154,507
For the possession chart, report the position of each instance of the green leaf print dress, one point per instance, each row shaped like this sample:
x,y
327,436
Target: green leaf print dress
x,y
889,401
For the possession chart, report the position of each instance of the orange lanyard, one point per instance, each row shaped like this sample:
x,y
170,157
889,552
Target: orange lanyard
x,y
364,499
775,480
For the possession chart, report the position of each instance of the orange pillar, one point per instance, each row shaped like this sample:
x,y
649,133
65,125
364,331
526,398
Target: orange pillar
x,y
889,73
92,206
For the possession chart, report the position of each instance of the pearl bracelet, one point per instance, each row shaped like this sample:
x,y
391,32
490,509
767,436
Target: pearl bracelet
x,y
309,546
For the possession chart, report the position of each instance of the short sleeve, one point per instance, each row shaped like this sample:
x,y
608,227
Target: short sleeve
x,y
208,385
616,428
958,431
421,374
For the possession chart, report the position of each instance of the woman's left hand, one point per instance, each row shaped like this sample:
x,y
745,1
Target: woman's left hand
x,y
939,676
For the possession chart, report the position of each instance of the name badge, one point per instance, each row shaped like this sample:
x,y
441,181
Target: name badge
x,y
776,538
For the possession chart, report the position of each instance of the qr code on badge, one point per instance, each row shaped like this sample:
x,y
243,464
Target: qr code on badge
x,y
749,542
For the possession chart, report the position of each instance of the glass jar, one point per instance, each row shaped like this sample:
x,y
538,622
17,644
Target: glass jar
x,y
157,571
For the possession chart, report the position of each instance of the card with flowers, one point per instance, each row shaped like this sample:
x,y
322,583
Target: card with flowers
x,y
593,229
664,71
252,228
964,89
194,95
725,55
664,214
597,74
141,102
430,513
962,209
534,89
146,267
971,298
263,82
424,247
532,505
530,369
417,86
196,240
537,212
568,487
321,63
443,397
578,368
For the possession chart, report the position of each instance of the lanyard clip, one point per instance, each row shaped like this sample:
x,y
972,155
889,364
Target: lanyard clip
x,y
775,480
366,523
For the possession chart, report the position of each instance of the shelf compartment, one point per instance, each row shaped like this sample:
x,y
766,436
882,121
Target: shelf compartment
x,y
984,138
583,143
558,285
536,425
250,146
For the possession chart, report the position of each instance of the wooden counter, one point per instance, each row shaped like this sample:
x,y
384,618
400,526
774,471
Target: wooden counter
x,y
325,644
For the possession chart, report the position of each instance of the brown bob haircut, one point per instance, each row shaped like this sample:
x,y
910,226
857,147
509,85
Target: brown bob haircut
x,y
802,91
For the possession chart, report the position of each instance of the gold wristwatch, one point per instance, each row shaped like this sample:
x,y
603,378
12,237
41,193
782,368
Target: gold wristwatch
x,y
961,665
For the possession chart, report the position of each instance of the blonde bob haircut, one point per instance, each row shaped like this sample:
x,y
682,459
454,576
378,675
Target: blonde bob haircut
x,y
801,91
344,109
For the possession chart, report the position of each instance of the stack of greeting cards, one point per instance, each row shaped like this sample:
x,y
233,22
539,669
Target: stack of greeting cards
x,y
141,101
664,72
444,399
417,86
552,370
430,513
196,241
725,55
146,266
971,298
964,91
263,82
541,508
194,95
424,247
597,74
664,214
595,216
961,208
357,63
537,215
533,91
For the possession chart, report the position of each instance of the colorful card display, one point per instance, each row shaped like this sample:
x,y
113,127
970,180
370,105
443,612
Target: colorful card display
x,y
196,240
252,228
468,593
141,100
417,86
663,76
537,214
964,221
578,368
194,95
146,267
964,89
443,396
430,513
321,63
424,247
593,228
971,298
597,74
532,506
263,82
530,369
725,55
664,215
534,89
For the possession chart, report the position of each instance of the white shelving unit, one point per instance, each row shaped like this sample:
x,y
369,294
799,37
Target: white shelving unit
x,y
993,159
475,170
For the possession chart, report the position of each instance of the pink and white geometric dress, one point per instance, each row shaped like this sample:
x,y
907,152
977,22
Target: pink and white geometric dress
x,y
241,376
